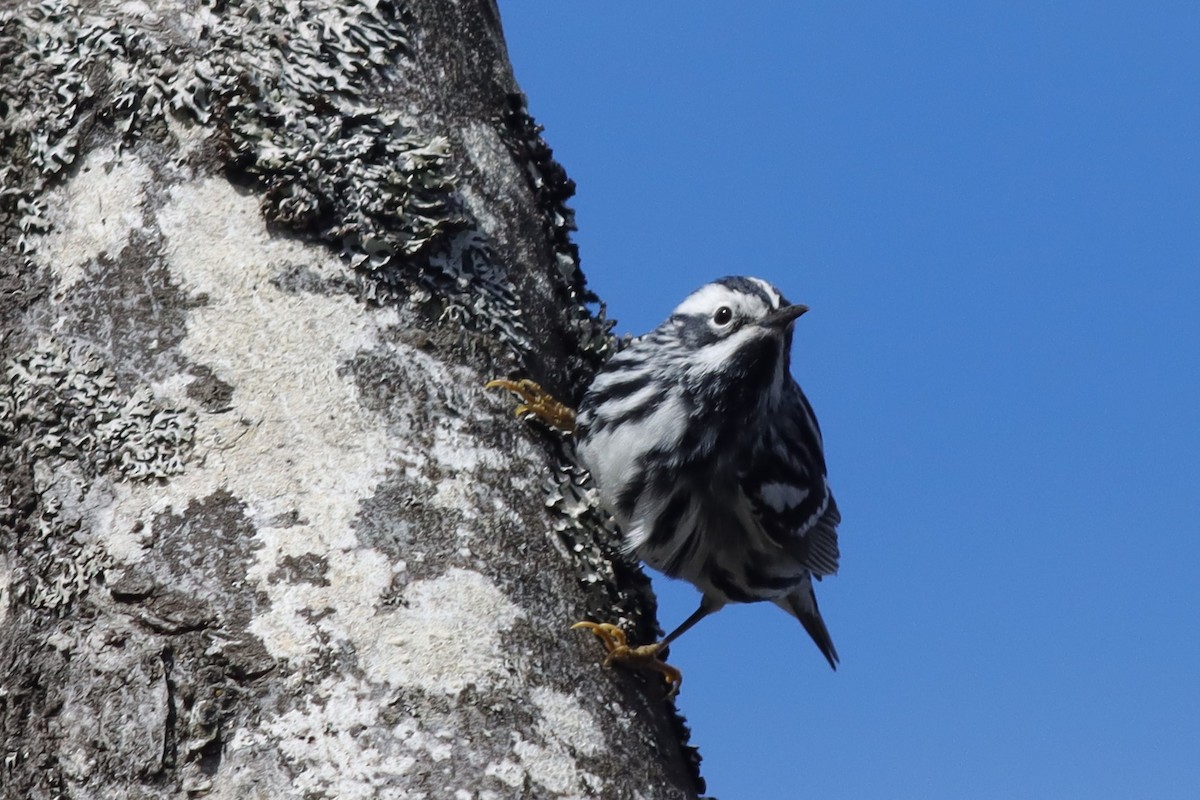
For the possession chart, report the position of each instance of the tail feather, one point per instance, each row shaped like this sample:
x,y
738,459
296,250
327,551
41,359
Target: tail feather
x,y
802,604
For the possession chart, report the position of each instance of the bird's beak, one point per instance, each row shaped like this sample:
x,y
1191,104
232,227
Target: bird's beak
x,y
783,317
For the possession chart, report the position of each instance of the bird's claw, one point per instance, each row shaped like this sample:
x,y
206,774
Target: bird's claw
x,y
538,402
643,657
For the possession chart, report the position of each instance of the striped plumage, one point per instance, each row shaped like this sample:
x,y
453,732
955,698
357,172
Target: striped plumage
x,y
709,457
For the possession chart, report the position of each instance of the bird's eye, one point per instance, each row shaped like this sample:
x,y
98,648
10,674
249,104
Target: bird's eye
x,y
723,315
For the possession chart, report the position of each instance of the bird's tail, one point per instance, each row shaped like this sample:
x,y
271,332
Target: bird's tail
x,y
802,604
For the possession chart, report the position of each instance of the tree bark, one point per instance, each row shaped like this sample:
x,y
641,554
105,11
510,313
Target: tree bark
x,y
262,532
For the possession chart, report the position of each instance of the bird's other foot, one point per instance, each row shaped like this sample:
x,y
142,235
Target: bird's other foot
x,y
538,402
643,657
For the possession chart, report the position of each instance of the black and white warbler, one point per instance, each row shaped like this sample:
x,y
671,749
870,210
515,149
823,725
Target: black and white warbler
x,y
708,455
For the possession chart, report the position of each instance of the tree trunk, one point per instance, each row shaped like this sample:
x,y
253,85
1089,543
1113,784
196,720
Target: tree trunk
x,y
262,532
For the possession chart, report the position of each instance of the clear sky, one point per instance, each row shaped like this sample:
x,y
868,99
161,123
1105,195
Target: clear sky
x,y
993,210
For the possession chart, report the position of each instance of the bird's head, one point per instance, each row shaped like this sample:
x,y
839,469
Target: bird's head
x,y
733,331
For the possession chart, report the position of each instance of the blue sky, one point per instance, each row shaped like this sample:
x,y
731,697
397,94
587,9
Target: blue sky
x,y
993,210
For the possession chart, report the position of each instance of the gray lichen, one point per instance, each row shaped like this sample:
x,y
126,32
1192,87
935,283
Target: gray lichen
x,y
65,405
88,67
63,572
63,408
588,537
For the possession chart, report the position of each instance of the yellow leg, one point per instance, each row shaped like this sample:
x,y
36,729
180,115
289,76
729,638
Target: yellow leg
x,y
538,402
644,657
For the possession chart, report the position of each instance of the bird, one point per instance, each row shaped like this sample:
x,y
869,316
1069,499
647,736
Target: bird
x,y
709,458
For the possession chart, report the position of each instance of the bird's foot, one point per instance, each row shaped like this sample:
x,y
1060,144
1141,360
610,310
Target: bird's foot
x,y
644,657
538,402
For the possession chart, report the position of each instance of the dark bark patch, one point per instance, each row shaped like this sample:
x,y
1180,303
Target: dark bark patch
x,y
132,310
308,568
301,278
210,392
210,544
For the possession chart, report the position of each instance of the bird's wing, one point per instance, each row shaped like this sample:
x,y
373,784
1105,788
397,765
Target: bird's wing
x,y
786,486
801,518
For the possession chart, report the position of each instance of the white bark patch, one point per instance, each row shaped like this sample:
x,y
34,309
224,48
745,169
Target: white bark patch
x,y
555,770
325,744
508,772
336,745
563,719
568,731
436,747
459,456
449,637
93,213
296,443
